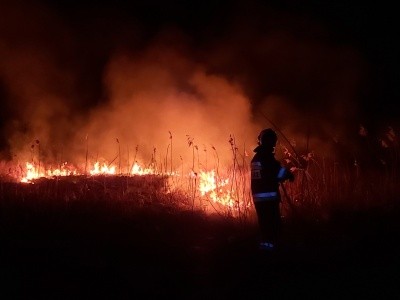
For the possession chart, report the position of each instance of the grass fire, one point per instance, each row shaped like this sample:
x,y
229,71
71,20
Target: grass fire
x,y
192,230
127,130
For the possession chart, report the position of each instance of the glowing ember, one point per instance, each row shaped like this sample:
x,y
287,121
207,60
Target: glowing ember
x,y
64,170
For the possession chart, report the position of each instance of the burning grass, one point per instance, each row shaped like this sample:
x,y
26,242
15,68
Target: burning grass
x,y
151,234
361,179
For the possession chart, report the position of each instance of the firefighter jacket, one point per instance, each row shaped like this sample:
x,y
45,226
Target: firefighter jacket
x,y
266,174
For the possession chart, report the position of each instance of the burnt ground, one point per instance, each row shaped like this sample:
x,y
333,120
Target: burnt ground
x,y
116,250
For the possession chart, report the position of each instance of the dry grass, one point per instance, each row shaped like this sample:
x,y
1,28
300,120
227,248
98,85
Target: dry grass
x,y
128,237
147,236
352,179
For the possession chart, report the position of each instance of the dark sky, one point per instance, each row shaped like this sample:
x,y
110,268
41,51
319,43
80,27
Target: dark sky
x,y
312,53
371,28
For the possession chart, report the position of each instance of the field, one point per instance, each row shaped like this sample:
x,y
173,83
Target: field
x,y
76,237
133,236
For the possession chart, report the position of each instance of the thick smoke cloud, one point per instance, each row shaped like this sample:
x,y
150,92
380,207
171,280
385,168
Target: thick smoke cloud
x,y
161,92
76,96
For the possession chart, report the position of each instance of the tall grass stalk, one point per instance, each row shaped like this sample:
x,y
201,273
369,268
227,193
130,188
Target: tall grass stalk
x,y
323,184
38,144
134,159
87,153
128,161
193,177
119,156
171,161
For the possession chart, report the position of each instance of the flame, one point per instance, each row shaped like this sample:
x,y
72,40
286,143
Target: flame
x,y
138,170
211,186
64,170
35,172
216,189
32,172
104,169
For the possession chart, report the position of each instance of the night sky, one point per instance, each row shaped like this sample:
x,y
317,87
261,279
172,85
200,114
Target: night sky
x,y
333,61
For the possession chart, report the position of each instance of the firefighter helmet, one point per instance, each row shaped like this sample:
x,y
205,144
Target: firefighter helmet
x,y
267,137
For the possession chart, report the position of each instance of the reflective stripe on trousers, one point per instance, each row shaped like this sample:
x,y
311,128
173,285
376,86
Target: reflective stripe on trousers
x,y
265,196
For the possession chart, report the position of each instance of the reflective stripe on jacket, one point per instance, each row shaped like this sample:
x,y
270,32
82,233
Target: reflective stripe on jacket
x,y
266,174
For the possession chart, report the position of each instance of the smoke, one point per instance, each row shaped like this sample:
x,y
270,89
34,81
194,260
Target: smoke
x,y
39,86
167,96
158,97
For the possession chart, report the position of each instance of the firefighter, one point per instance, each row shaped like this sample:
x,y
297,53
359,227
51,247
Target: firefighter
x,y
266,175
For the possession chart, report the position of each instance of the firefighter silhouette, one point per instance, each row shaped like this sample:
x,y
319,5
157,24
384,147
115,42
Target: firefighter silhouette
x,y
266,175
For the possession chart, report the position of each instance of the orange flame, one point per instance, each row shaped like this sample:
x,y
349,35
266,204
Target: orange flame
x,y
138,170
210,185
104,169
215,188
